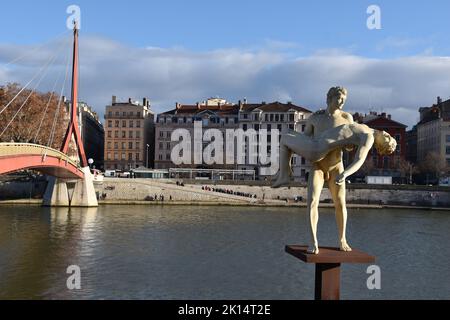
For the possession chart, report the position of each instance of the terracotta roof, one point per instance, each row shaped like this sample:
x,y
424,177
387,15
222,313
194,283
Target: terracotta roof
x,y
386,122
234,108
274,107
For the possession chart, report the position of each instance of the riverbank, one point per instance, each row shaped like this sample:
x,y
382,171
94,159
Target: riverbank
x,y
38,202
224,193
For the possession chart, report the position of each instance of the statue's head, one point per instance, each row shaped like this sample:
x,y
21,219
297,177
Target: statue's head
x,y
336,98
384,143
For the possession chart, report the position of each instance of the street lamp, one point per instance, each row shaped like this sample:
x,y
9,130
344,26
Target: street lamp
x,y
147,155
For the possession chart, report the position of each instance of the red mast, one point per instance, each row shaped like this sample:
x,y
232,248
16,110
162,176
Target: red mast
x,y
73,125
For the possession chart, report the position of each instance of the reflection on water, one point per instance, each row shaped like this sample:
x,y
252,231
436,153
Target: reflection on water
x,y
156,252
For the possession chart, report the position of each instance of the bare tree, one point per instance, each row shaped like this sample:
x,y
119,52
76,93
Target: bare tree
x,y
32,120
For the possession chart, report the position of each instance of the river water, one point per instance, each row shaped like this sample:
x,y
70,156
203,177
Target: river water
x,y
189,252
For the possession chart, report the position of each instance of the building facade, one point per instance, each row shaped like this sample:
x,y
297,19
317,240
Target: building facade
x,y
433,133
219,114
276,115
385,165
92,133
129,135
213,113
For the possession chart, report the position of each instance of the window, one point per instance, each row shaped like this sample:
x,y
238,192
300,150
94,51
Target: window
x,y
117,123
160,157
291,117
277,118
137,156
303,161
124,134
124,124
447,151
168,145
161,134
291,127
385,162
138,145
398,149
138,114
109,156
375,161
109,123
116,156
168,156
130,134
279,127
244,127
124,156
447,138
138,124
168,134
282,117
124,114
117,113
116,145
303,127
130,145
109,134
138,134
123,146
266,117
131,123
271,117
110,113
161,146
130,156
109,145
244,116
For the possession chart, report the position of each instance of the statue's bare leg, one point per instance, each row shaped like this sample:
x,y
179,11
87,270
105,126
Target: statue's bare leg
x,y
315,185
284,175
338,194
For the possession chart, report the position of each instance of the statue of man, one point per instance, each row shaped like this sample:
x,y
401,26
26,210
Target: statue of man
x,y
328,169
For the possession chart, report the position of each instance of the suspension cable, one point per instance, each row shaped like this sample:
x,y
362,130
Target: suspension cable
x,y
46,108
46,69
52,132
26,86
35,49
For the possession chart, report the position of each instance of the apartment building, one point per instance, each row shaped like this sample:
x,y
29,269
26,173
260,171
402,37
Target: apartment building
x,y
276,115
433,132
129,135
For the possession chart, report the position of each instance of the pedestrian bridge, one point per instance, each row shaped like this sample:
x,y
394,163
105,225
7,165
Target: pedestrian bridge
x,y
25,156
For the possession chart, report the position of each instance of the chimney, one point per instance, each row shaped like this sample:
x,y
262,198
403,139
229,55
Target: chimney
x,y
439,100
389,117
129,101
114,100
177,105
383,114
245,100
263,102
198,105
145,102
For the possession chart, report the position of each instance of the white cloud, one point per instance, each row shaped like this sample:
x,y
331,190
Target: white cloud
x,y
168,75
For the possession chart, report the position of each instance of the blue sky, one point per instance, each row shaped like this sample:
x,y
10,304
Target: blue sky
x,y
204,25
187,51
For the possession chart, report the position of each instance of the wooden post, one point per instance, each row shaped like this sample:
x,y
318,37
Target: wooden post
x,y
328,267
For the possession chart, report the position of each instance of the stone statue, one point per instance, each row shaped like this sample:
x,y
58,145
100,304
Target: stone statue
x,y
327,133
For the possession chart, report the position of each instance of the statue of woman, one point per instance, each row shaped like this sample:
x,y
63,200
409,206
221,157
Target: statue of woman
x,y
315,149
